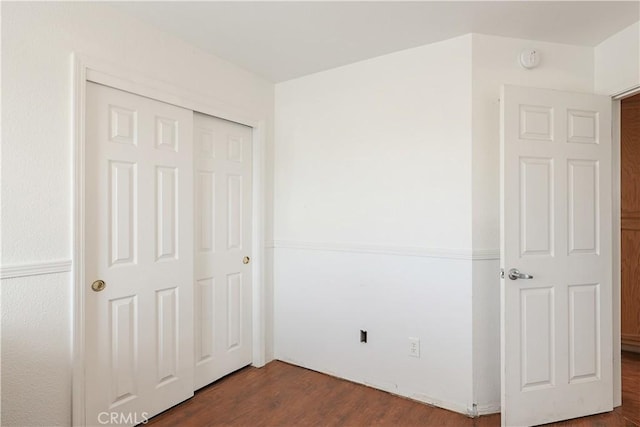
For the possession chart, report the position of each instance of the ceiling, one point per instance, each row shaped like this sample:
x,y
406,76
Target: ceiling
x,y
285,40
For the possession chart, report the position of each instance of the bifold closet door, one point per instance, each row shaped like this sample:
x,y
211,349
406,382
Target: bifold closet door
x,y
139,256
222,247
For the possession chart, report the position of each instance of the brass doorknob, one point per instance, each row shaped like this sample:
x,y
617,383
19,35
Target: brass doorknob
x,y
98,285
246,260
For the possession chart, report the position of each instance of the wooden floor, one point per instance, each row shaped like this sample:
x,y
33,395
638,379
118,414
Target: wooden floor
x,y
284,395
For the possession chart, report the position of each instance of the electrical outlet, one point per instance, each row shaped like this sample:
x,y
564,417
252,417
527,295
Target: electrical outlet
x,y
414,347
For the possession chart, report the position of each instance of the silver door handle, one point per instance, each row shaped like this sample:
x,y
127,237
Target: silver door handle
x,y
514,274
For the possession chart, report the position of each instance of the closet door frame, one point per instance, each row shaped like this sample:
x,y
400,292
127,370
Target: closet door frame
x,y
616,241
89,69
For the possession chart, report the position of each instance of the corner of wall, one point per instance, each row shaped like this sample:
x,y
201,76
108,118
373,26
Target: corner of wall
x,y
388,278
617,62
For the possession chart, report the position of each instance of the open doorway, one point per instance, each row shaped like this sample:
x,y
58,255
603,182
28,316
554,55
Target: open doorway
x,y
630,255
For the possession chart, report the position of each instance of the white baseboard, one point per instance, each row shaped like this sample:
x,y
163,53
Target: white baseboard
x,y
488,409
387,387
450,406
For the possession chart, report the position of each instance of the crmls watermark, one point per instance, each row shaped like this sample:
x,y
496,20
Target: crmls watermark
x,y
131,418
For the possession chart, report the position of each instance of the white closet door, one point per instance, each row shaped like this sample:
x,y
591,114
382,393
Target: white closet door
x,y
222,248
139,241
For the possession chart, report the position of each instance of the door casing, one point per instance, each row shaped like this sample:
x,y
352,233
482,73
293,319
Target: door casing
x,y
86,68
616,235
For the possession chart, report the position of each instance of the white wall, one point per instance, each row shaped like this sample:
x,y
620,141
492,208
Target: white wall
x,y
617,62
374,158
324,298
36,362
372,178
495,62
362,151
36,173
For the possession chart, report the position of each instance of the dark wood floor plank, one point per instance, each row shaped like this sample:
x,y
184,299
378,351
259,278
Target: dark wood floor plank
x,y
282,395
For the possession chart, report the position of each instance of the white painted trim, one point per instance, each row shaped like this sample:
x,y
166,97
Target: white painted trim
x,y
462,254
35,269
488,409
450,406
615,252
78,87
626,93
258,252
86,68
113,75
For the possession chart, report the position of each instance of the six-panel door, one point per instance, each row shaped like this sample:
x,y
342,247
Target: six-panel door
x,y
139,241
556,226
222,165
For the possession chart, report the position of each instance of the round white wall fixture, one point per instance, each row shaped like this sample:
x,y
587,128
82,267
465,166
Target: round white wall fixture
x,y
529,58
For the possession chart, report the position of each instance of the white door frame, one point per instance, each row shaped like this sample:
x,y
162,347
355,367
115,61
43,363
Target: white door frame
x,y
615,213
86,68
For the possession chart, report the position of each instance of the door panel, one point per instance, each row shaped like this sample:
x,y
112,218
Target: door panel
x,y
584,206
555,226
205,293
584,333
223,239
139,240
123,184
124,349
536,206
167,340
538,338
166,213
